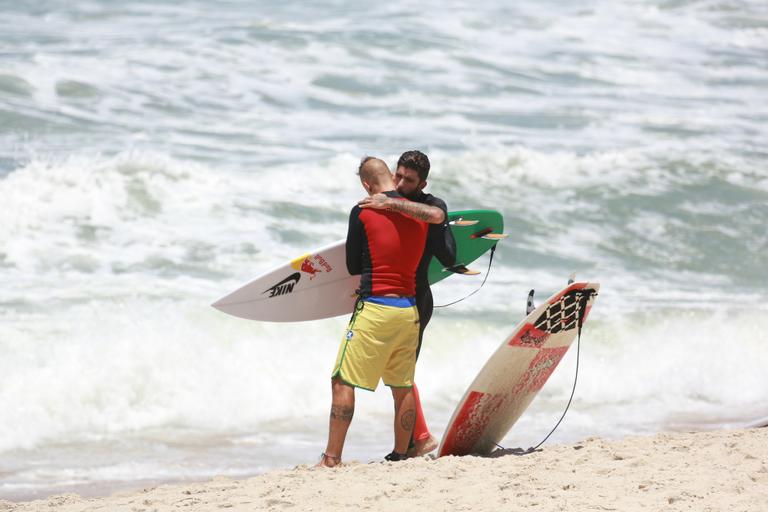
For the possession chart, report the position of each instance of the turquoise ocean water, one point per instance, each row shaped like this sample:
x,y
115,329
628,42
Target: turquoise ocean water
x,y
156,155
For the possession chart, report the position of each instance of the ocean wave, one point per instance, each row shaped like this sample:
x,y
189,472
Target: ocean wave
x,y
98,373
627,216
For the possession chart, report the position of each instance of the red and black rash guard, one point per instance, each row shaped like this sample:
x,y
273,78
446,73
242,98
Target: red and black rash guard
x,y
385,248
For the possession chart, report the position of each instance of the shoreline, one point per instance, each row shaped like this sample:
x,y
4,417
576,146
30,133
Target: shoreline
x,y
711,470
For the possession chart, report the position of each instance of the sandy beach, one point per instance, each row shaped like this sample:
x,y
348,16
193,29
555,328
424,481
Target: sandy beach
x,y
707,471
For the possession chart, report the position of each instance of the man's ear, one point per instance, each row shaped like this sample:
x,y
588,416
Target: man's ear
x,y
422,185
366,186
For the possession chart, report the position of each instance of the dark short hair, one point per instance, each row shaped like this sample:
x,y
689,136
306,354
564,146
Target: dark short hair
x,y
416,161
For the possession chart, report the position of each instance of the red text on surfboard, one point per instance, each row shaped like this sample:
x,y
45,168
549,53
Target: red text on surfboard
x,y
313,267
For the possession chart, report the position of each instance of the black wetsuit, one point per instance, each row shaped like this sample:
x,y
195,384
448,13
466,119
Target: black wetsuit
x,y
440,243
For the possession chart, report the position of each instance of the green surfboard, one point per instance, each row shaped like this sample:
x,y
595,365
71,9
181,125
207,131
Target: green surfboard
x,y
474,231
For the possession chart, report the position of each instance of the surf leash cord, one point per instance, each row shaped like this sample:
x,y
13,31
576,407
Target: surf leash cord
x,y
487,273
583,299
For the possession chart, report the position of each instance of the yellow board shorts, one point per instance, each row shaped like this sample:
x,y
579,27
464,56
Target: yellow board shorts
x,y
380,343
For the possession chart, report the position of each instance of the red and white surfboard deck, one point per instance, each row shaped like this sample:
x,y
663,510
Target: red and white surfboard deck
x,y
516,372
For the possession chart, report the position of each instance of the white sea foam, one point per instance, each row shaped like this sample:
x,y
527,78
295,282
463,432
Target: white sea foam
x,y
97,372
149,221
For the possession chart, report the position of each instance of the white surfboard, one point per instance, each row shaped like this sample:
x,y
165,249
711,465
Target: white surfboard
x,y
317,285
298,290
516,372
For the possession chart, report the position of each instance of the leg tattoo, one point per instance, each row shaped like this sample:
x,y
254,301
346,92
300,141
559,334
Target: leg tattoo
x,y
342,412
408,419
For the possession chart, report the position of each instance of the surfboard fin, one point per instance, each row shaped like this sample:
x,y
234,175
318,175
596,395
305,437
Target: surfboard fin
x,y
572,278
461,269
495,236
481,233
488,234
462,222
529,307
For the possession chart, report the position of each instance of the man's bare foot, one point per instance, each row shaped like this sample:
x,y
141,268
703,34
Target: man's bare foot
x,y
422,447
328,461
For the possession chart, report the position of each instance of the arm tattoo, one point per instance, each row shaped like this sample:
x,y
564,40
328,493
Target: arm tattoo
x,y
418,211
408,419
342,412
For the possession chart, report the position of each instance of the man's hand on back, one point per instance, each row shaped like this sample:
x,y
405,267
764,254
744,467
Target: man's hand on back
x,y
376,201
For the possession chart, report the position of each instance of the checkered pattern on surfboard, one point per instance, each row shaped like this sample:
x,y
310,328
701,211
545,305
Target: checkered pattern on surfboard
x,y
563,315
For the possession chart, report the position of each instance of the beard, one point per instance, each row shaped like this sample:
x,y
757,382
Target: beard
x,y
412,196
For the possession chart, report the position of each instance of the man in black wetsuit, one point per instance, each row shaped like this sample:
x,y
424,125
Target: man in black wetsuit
x,y
410,180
